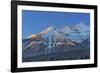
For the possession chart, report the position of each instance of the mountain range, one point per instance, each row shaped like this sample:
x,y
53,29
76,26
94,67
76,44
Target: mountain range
x,y
66,43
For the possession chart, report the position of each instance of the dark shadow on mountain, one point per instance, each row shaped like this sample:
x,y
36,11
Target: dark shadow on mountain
x,y
35,50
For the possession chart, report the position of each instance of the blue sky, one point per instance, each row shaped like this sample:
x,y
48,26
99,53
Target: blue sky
x,y
34,22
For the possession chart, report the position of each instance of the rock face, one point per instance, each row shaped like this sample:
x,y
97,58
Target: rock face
x,y
69,43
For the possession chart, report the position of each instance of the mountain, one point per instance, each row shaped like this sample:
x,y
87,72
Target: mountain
x,y
67,43
78,32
